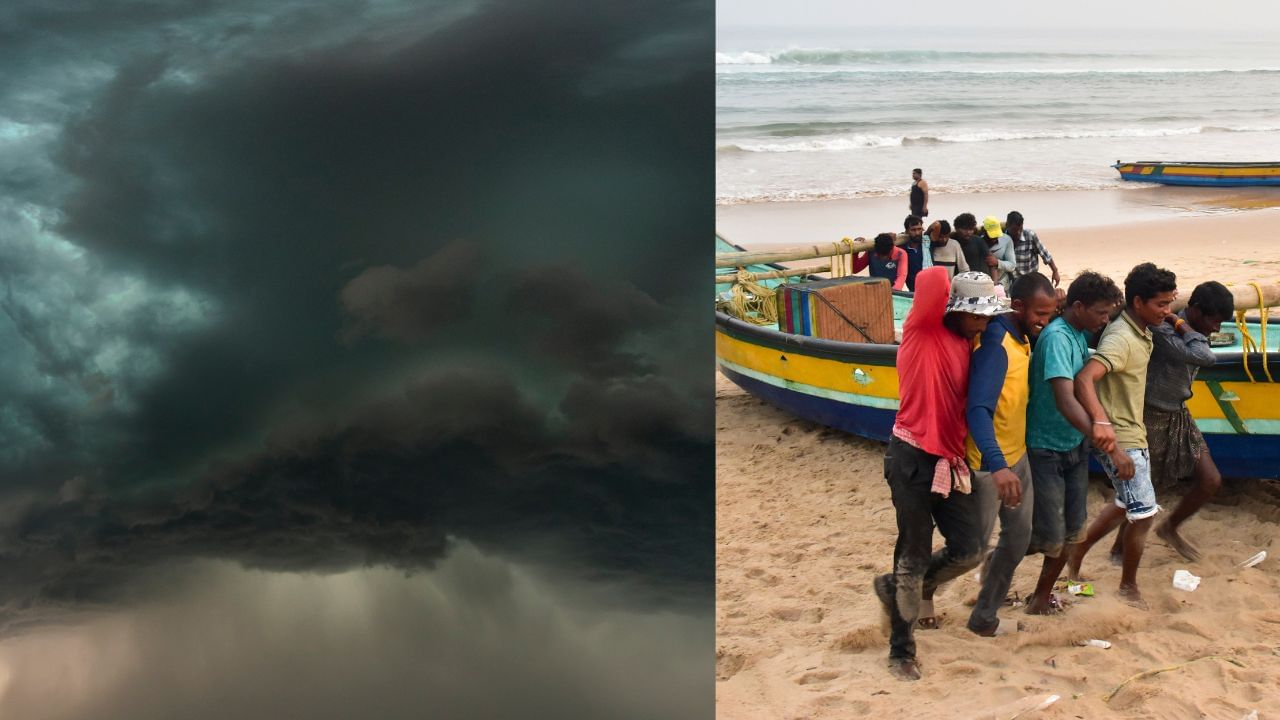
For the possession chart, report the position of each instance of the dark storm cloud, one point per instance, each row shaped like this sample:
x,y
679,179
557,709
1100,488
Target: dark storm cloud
x,y
617,492
320,231
409,304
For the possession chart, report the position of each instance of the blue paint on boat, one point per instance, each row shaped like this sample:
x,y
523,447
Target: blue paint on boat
x,y
869,422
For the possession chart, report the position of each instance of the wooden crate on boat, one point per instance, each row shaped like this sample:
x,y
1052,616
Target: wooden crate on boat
x,y
854,309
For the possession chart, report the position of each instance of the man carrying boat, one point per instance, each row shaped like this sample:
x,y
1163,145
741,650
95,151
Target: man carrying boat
x,y
1119,371
1057,428
917,249
885,260
924,463
996,448
1027,248
1180,348
943,251
977,254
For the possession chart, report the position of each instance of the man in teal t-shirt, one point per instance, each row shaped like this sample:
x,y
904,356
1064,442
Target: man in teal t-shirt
x,y
1057,426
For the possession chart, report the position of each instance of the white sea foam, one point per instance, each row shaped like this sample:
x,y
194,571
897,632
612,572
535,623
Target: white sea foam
x,y
859,142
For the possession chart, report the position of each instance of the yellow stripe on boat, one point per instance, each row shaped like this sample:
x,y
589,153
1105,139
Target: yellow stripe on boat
x,y
876,381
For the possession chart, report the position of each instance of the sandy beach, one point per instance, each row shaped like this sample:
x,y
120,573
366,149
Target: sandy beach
x,y
804,520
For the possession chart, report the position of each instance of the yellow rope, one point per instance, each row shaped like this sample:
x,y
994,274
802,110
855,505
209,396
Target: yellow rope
x,y
1262,312
751,301
842,264
1247,343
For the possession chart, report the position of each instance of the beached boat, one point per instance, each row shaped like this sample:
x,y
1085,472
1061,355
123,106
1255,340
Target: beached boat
x,y
1209,174
854,386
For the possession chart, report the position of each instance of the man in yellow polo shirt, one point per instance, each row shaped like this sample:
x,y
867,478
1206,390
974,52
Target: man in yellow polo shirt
x,y
996,449
1119,371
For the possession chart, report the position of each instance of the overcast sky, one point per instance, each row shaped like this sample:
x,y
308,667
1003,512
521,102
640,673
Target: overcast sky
x,y
1243,19
311,308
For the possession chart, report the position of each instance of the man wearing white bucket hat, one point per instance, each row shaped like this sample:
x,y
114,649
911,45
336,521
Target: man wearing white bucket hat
x,y
924,462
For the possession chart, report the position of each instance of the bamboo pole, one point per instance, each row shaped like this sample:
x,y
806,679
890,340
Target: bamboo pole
x,y
1245,296
800,252
772,275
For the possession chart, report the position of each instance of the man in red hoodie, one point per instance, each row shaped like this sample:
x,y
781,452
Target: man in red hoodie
x,y
924,463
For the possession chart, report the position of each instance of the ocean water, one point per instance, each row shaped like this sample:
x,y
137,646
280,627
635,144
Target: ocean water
x,y
814,114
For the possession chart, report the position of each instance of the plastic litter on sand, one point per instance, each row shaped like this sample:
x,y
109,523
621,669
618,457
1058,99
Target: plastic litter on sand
x,y
1254,560
1184,580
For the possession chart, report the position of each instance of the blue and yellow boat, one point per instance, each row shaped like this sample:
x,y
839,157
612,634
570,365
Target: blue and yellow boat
x,y
1210,174
854,386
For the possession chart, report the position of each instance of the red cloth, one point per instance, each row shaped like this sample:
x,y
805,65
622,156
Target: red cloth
x,y
933,373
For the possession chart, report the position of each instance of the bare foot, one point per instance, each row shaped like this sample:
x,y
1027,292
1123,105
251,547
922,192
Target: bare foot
x,y
1042,606
1117,557
904,668
1171,536
1131,597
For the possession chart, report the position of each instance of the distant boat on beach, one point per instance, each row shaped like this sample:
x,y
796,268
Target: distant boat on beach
x,y
1209,174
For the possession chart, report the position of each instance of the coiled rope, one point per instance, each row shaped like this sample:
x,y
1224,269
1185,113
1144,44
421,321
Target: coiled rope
x,y
750,301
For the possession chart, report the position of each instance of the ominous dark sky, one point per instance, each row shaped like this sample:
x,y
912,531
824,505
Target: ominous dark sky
x,y
320,299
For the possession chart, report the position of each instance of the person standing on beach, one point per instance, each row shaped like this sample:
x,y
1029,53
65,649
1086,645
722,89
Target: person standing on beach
x,y
1057,428
976,253
1001,248
919,202
943,251
1180,349
1027,248
916,248
924,462
1119,371
996,448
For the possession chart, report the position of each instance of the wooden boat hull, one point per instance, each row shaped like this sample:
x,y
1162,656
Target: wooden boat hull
x,y
854,388
1201,174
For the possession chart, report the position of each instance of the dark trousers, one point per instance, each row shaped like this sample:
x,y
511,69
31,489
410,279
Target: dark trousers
x,y
917,571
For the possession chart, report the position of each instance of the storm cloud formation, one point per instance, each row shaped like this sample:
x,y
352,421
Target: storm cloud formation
x,y
311,288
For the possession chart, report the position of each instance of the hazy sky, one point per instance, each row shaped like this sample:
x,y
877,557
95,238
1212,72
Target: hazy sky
x,y
1240,18
297,299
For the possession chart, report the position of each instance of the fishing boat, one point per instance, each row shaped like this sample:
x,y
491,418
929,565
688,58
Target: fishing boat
x,y
1210,174
854,386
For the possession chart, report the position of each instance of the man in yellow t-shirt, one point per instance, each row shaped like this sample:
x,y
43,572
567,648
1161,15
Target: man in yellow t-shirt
x,y
996,449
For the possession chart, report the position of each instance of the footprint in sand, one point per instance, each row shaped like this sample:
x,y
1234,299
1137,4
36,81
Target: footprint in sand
x,y
728,664
819,676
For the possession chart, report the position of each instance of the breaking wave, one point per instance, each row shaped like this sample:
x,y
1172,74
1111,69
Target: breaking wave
x,y
862,141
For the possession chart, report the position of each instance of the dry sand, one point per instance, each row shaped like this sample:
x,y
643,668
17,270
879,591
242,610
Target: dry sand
x,y
804,522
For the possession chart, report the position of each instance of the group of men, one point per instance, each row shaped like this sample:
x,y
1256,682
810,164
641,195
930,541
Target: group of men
x,y
991,427
1004,251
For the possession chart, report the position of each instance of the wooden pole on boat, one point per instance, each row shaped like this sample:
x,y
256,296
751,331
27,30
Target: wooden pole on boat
x,y
801,252
1245,297
774,274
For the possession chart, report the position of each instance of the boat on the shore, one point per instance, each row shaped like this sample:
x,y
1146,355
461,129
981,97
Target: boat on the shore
x,y
854,386
1207,174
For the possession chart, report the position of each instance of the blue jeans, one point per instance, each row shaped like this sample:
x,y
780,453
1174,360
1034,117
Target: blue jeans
x,y
1136,495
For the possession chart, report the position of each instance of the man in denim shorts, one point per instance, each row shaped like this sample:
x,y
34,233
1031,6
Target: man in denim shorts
x,y
1058,428
1119,371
